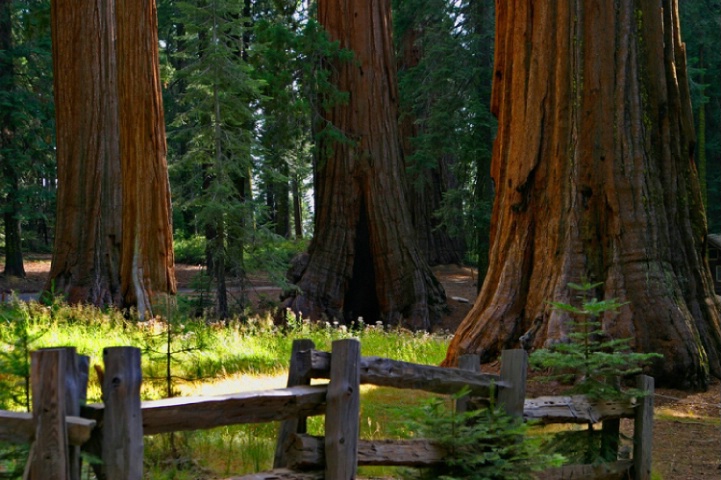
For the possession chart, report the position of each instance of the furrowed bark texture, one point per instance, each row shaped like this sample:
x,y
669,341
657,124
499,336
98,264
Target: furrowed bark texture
x,y
147,263
593,165
363,260
89,198
113,235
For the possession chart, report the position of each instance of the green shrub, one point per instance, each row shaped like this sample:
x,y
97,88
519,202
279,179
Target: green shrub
x,y
190,250
486,444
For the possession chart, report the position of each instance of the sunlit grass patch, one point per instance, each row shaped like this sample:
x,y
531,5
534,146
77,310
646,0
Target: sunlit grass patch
x,y
677,415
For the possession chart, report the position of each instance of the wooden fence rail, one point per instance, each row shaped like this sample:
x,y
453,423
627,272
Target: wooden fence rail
x,y
114,430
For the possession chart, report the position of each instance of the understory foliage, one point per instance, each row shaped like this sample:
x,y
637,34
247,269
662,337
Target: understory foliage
x,y
485,444
17,339
447,94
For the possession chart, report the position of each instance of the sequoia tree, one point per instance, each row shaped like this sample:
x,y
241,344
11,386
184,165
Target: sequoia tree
x,y
113,240
595,177
363,260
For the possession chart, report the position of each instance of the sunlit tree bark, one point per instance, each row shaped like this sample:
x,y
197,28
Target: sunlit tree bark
x,y
363,259
146,261
113,234
593,165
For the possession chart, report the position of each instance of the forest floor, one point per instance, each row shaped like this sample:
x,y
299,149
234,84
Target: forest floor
x,y
687,427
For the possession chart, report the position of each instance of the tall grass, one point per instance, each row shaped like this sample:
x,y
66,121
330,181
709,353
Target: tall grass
x,y
218,358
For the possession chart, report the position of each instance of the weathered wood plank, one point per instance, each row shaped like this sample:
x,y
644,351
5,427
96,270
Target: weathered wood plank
x,y
297,424
197,413
282,474
605,471
514,370
643,429
122,428
17,427
393,373
49,452
342,417
307,452
574,409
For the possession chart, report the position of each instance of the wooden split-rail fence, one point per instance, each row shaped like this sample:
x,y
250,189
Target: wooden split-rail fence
x,y
60,425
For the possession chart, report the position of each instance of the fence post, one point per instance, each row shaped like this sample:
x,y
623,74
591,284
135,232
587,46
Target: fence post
x,y
643,429
342,418
294,425
514,370
75,393
611,430
49,451
122,438
473,364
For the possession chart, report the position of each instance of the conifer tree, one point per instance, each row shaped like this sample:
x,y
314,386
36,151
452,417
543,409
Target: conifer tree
x,y
217,122
27,167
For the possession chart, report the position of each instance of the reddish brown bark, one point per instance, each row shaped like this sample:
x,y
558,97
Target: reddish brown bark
x,y
595,181
146,260
363,259
112,240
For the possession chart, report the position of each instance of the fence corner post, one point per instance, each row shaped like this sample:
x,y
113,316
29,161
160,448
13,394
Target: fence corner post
x,y
514,370
471,363
49,451
342,418
122,449
643,429
294,425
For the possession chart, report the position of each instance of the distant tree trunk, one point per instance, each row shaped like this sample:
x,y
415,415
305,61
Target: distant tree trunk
x,y
11,202
297,208
363,259
702,135
282,203
427,188
593,163
13,240
113,242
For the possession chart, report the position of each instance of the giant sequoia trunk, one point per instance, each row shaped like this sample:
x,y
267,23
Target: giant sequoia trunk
x,y
593,165
363,260
113,235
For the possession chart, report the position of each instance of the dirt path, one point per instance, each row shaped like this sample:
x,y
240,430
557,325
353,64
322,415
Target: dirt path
x,y
687,430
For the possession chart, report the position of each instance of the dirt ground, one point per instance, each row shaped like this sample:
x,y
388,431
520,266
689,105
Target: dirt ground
x,y
687,428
